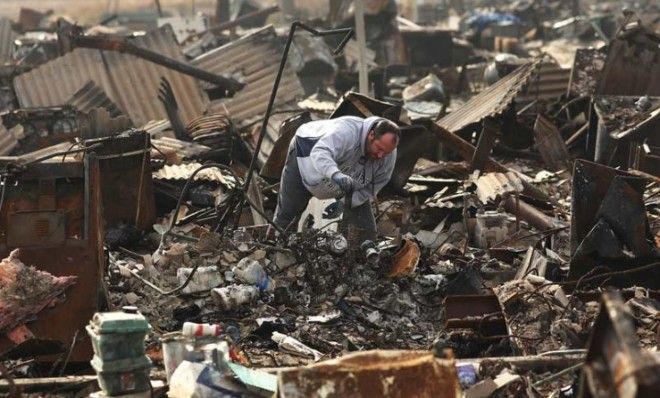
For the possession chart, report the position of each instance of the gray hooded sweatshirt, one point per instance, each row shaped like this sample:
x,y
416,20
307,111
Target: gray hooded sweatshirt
x,y
325,147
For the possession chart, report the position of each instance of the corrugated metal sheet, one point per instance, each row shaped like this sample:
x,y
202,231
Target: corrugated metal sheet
x,y
185,150
491,186
256,57
57,148
549,82
492,101
91,96
132,83
7,141
7,36
273,131
183,171
156,127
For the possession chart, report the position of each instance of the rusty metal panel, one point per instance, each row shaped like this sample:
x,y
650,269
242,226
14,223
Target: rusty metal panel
x,y
632,66
76,193
550,144
615,365
90,97
36,227
591,181
549,82
256,58
132,83
492,101
126,182
482,313
373,374
588,64
7,36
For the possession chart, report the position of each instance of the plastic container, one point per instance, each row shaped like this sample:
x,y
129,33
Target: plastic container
x,y
174,351
191,329
205,279
118,335
233,296
124,376
251,272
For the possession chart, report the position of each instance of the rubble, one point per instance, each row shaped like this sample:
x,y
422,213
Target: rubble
x,y
517,240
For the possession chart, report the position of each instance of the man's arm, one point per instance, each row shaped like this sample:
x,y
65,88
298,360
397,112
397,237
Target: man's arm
x,y
381,178
329,149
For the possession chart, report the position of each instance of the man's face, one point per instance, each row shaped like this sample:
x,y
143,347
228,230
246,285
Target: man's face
x,y
378,148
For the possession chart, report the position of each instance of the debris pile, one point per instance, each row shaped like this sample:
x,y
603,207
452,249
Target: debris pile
x,y
515,250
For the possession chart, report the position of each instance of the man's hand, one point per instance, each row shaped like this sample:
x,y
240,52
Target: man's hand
x,y
345,183
333,210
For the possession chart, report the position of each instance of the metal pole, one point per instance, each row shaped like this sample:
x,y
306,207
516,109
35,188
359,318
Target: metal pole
x,y
273,93
276,85
362,47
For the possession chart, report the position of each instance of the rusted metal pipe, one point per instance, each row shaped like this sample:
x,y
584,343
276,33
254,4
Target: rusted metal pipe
x,y
529,213
124,46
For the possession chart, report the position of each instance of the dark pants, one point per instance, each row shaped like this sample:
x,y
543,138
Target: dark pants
x,y
293,198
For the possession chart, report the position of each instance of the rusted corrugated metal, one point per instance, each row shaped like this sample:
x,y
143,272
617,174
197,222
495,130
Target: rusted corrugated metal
x,y
7,141
7,36
183,171
631,66
91,96
255,57
492,101
547,84
185,150
491,186
48,153
132,83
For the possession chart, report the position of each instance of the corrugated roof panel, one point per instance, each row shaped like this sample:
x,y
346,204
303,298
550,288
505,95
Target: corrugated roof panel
x,y
548,84
182,172
492,101
132,83
490,186
256,57
184,149
7,36
90,97
7,141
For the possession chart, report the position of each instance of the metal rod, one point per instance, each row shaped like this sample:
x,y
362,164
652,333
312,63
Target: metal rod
x,y
120,45
276,85
273,95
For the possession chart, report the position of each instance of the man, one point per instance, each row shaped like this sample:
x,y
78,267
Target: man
x,y
348,157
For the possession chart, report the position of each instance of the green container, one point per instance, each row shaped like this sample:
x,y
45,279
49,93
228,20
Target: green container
x,y
118,335
124,376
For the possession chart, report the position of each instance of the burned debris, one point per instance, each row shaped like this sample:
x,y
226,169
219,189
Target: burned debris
x,y
499,238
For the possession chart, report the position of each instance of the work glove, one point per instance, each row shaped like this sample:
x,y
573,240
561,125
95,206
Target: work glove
x,y
333,210
345,183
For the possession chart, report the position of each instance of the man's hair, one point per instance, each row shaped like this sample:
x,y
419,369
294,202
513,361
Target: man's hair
x,y
385,126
